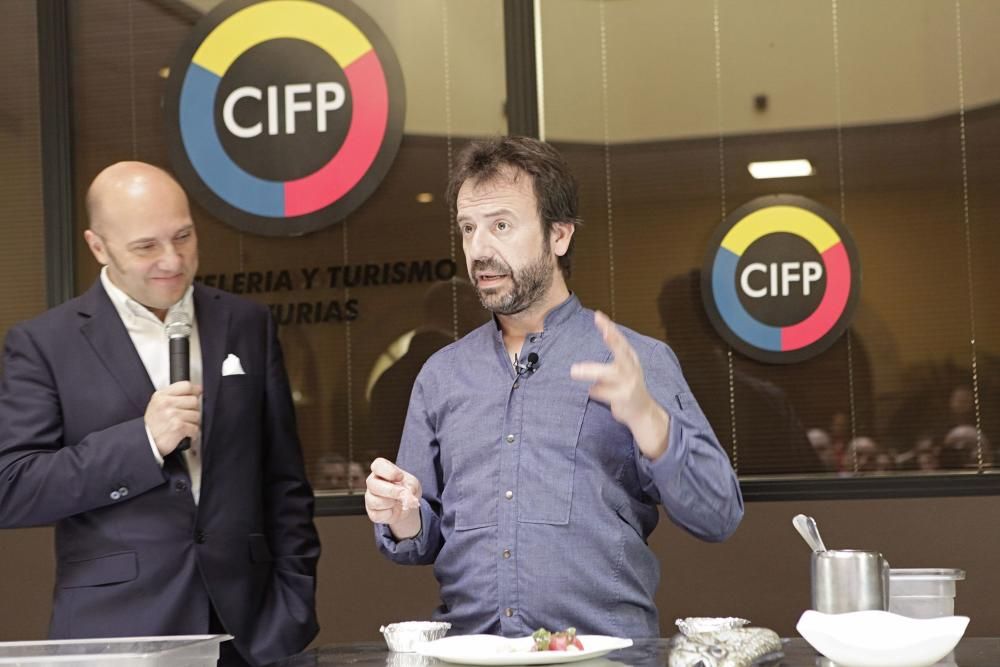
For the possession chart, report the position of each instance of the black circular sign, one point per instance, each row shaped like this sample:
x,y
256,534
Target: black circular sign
x,y
284,116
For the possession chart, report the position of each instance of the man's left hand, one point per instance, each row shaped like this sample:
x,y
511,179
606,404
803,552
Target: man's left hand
x,y
620,384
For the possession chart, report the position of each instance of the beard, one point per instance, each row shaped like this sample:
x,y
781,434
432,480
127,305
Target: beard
x,y
528,284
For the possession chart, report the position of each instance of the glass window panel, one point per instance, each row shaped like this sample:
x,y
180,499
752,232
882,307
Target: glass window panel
x,y
981,100
350,377
22,289
661,106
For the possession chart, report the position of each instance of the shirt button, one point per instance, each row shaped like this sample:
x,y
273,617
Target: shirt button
x,y
511,438
508,612
199,537
180,485
115,495
531,339
508,495
506,553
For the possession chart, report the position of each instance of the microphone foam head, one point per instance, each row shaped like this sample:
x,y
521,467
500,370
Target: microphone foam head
x,y
178,325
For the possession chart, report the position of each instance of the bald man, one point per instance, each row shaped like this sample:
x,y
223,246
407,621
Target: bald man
x,y
149,540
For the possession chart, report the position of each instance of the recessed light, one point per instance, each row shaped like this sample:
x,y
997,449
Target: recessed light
x,y
425,197
781,169
163,72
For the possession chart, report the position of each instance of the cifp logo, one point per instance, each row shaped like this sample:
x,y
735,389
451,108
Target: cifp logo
x,y
781,279
283,116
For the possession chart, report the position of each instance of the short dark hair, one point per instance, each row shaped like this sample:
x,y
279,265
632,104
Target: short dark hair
x,y
555,188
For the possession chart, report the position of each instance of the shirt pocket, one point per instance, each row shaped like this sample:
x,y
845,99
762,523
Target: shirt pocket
x,y
545,483
241,384
240,397
114,568
476,475
548,456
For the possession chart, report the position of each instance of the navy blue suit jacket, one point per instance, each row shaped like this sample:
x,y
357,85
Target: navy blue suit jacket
x,y
135,555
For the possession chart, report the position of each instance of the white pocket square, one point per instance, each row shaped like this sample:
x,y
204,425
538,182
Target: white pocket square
x,y
232,366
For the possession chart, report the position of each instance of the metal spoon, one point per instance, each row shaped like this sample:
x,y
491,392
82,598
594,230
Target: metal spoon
x,y
806,526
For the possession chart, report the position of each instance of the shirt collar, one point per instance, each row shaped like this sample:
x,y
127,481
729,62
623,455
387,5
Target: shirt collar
x,y
131,310
555,317
563,312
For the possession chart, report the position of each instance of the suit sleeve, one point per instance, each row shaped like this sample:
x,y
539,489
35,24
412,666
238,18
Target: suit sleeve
x,y
44,478
287,622
418,455
693,479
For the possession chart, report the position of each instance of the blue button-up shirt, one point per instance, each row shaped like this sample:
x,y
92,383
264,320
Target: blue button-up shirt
x,y
536,503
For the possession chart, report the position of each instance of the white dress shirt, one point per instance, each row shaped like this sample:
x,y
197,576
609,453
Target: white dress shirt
x,y
149,336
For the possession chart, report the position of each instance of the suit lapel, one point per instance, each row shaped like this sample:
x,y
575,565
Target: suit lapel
x,y
213,331
104,330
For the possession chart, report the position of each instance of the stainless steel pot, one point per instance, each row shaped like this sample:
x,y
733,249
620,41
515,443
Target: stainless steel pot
x,y
848,580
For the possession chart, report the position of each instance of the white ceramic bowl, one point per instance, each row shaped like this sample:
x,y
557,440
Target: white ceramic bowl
x,y
403,637
881,639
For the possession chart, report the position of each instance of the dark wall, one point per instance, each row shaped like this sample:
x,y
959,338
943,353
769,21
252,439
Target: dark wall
x,y
762,573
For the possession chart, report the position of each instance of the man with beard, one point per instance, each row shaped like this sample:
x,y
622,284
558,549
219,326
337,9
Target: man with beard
x,y
537,448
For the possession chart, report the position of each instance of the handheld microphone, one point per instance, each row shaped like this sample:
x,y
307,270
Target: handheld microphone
x,y
178,327
530,364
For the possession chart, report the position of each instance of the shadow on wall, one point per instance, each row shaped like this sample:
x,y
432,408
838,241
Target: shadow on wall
x,y
446,305
774,405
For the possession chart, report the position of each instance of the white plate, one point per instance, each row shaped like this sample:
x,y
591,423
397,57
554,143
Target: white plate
x,y
881,639
493,650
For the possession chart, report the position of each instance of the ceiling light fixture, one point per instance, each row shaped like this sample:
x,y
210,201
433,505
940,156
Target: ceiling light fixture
x,y
781,169
425,197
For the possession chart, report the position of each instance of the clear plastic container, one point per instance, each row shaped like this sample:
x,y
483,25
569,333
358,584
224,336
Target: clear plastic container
x,y
923,592
180,651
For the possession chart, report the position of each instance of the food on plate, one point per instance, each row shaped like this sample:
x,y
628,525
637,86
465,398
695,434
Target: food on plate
x,y
556,641
408,500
